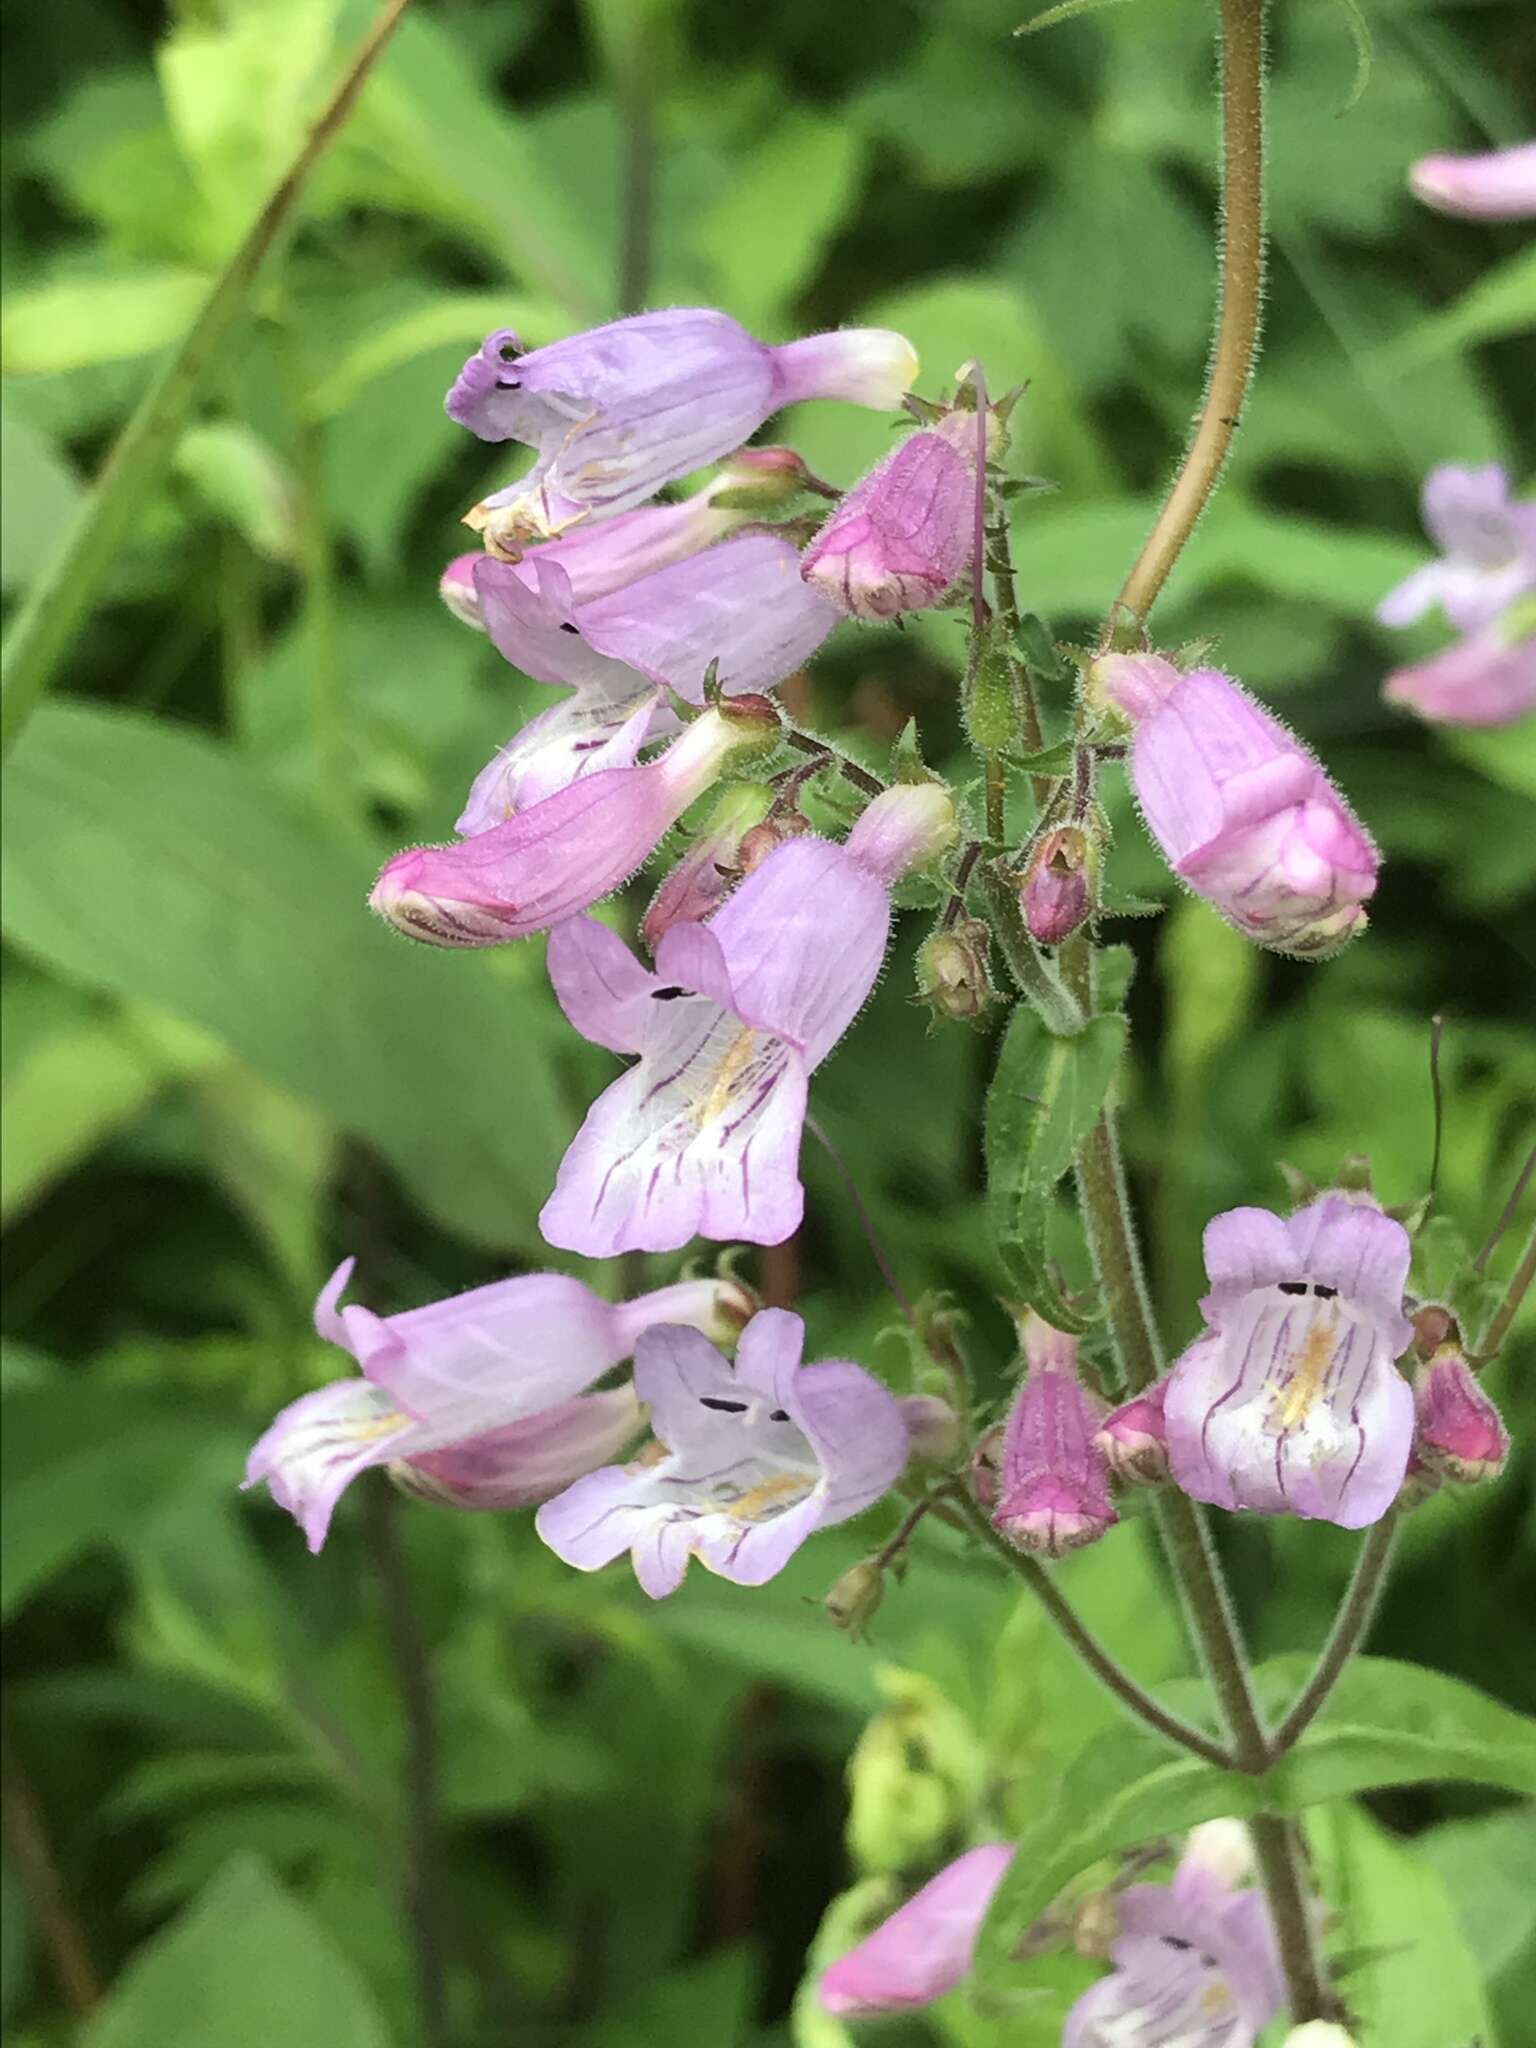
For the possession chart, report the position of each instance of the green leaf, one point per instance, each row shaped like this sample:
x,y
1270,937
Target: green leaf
x,y
245,1967
1488,1866
153,862
80,1468
1386,1724
76,324
1044,1098
39,495
763,238
74,1089
1422,1989
1503,301
240,477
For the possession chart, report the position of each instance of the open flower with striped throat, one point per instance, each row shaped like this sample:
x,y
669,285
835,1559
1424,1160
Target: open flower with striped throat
x,y
481,1397
1291,1401
748,1461
702,1135
620,410
1196,1963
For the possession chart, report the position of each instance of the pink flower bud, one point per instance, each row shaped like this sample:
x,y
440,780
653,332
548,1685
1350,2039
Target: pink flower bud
x,y
1498,185
1133,1438
1240,809
1487,678
904,828
1057,894
902,538
703,877
933,1427
1053,1489
456,587
1458,1432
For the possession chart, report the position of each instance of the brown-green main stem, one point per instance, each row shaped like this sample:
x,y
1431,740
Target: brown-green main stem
x,y
1242,298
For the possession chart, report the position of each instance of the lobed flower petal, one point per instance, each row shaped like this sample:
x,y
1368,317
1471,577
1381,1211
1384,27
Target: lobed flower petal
x,y
926,1946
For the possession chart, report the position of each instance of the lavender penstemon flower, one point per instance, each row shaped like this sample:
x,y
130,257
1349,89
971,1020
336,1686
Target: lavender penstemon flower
x,y
1053,1487
702,1135
901,540
749,1461
484,1392
1291,1402
1487,543
1499,184
617,412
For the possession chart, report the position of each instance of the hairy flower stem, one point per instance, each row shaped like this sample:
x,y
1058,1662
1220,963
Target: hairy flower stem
x,y
1088,1647
1101,1184
1350,1627
1242,295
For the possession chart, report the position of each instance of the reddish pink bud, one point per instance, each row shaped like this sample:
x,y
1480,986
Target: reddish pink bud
x,y
1058,893
705,875
1133,1438
1053,1489
902,539
1458,1433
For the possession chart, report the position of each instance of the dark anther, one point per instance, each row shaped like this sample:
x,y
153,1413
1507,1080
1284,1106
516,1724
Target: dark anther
x,y
1323,1291
567,627
1176,1941
1293,1286
667,995
779,1415
508,384
725,1407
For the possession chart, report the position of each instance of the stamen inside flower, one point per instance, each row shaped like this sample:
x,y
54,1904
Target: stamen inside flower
x,y
1294,1401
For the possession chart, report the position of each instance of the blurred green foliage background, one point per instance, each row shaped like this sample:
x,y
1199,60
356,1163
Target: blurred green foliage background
x,y
220,1075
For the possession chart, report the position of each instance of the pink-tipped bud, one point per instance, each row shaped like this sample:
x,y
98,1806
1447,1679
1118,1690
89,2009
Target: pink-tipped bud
x,y
902,538
952,973
905,828
1133,1438
1058,891
711,867
1498,185
456,587
1053,1487
1239,808
1458,1433
763,479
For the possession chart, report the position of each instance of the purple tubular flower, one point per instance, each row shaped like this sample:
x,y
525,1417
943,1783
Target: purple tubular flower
x,y
1498,185
1053,1488
1487,543
527,1462
619,411
751,1461
702,1135
901,540
905,827
1291,1401
740,603
475,1367
926,1947
1459,1434
1488,678
1240,809
552,861
1196,1965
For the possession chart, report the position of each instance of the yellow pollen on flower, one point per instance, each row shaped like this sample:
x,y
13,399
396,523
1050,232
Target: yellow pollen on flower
x,y
769,1494
380,1425
1216,1998
1295,1403
718,1100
